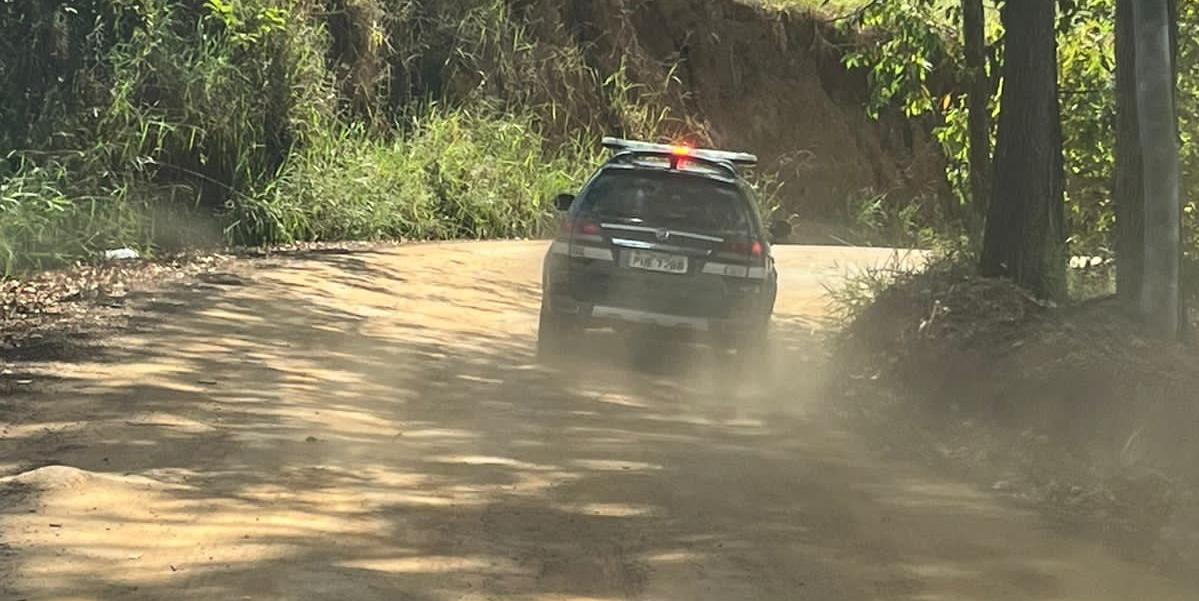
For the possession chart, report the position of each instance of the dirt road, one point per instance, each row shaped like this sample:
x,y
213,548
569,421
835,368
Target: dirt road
x,y
372,426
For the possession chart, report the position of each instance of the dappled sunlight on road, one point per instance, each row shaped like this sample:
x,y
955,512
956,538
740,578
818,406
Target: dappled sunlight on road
x,y
373,426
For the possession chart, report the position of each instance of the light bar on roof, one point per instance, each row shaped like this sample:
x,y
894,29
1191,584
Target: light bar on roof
x,y
736,158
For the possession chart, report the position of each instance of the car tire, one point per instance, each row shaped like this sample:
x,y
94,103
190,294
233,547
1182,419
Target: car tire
x,y
753,353
554,332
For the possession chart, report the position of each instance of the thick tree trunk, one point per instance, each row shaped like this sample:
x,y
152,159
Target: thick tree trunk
x,y
978,100
1161,293
1025,234
1129,193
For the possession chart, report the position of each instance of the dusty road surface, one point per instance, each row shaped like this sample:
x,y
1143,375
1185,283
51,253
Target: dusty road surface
x,y
372,426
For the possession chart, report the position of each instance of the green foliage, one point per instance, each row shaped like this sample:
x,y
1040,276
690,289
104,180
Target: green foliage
x,y
904,51
153,123
276,119
642,114
915,66
156,108
246,25
1087,62
917,222
42,225
914,63
454,174
1086,56
768,189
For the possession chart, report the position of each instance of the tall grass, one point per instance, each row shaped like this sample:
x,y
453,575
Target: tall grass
x,y
164,123
42,225
454,174
152,113
917,222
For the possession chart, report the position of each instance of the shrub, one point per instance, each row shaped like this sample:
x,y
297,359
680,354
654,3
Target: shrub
x,y
453,174
43,224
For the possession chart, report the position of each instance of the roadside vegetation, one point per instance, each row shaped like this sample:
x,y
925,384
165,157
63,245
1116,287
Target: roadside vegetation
x,y
160,124
921,61
163,125
1042,350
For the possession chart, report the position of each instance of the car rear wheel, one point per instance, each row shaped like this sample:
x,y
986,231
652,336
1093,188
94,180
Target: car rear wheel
x,y
752,350
554,333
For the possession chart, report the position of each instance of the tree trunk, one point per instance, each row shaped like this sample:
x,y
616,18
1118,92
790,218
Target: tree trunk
x,y
1185,331
1161,293
1025,234
1129,194
978,100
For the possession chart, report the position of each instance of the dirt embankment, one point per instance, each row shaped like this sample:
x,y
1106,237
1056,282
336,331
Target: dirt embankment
x,y
767,81
1070,408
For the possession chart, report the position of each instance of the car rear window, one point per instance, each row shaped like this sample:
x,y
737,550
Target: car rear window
x,y
668,200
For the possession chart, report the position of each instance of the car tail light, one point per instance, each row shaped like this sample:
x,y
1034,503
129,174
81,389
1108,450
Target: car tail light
x,y
586,227
742,247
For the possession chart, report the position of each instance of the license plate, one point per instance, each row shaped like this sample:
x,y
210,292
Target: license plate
x,y
652,261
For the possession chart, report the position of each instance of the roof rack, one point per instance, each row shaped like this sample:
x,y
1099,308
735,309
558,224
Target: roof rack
x,y
708,155
675,162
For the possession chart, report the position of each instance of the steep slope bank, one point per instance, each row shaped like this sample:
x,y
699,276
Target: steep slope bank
x,y
771,82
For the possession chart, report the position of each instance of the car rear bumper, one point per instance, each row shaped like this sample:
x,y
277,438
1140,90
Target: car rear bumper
x,y
603,316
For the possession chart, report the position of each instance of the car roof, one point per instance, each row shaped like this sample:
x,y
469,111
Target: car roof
x,y
728,158
690,168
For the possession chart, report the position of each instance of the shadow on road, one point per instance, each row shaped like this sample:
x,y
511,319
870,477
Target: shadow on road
x,y
373,426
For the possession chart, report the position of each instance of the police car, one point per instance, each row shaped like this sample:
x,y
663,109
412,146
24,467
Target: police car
x,y
661,237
